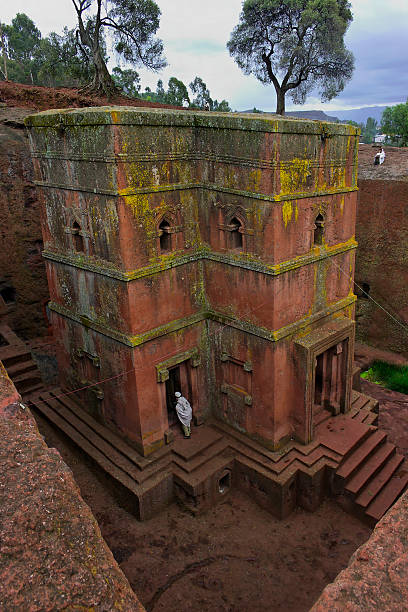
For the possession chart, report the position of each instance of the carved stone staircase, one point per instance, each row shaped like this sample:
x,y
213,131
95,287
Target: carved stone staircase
x,y
370,478
16,358
349,458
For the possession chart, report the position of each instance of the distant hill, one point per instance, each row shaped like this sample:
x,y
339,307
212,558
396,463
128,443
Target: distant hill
x,y
317,115
313,114
360,115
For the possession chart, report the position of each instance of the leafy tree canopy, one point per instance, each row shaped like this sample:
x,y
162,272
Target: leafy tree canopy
x,y
22,42
297,45
203,98
132,25
177,94
394,123
127,80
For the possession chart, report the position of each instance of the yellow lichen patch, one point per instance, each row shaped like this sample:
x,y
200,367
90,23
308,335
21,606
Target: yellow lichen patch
x,y
254,180
115,116
287,211
294,174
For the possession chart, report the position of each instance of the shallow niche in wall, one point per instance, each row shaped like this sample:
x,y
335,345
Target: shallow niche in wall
x,y
234,232
236,389
168,235
318,232
77,238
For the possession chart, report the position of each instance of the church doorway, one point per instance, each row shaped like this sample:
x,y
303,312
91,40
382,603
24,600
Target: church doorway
x,y
179,380
330,381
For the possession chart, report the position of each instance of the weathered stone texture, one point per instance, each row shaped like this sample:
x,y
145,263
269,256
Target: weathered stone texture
x,y
238,276
23,281
376,578
382,260
52,555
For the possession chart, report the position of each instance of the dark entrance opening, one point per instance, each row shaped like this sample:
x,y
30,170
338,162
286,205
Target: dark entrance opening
x,y
236,235
165,236
318,229
8,294
224,483
330,381
172,385
78,240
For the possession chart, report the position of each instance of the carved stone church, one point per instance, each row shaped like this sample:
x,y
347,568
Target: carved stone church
x,y
211,254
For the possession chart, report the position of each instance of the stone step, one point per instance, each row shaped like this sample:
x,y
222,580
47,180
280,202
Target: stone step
x,y
388,494
32,391
368,493
199,459
105,433
360,454
371,418
363,415
205,471
188,450
10,355
370,468
9,336
55,410
360,402
343,435
27,381
21,368
274,456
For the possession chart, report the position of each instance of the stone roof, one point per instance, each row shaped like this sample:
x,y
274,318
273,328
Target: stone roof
x,y
395,166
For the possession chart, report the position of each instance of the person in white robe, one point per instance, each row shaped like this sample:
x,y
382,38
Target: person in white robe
x,y
184,413
380,157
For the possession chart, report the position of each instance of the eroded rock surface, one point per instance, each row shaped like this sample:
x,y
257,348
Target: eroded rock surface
x,y
52,555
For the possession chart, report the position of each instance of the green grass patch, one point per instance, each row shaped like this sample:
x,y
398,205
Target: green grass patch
x,y
390,376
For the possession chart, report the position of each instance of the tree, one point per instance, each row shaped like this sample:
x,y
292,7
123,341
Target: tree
x,y
127,80
61,62
394,123
297,45
177,93
370,130
202,94
221,107
21,40
132,23
203,98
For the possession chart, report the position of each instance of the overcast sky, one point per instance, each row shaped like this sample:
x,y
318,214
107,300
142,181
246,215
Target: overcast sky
x,y
195,32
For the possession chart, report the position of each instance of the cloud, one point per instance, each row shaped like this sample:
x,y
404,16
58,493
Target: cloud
x,y
195,35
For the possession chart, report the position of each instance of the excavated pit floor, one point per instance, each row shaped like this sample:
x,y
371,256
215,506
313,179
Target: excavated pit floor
x,y
236,557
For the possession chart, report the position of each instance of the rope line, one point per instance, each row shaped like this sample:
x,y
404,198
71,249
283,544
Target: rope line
x,y
350,277
219,331
135,369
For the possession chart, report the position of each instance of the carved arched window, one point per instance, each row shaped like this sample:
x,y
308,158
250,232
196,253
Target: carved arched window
x,y
165,236
318,229
235,234
77,237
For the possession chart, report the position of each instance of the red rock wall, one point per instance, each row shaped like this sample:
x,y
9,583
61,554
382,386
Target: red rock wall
x,y
52,554
382,263
23,281
377,576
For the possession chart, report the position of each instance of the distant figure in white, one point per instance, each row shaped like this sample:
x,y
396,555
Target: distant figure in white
x,y
184,413
380,157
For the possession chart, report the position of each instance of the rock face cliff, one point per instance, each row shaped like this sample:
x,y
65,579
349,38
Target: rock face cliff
x,y
23,282
381,262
